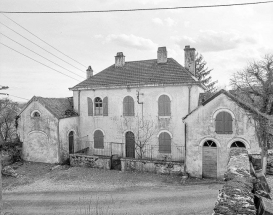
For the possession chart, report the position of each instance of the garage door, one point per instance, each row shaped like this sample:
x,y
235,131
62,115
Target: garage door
x,y
209,169
37,148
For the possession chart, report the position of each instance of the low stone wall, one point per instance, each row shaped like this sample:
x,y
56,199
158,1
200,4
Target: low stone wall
x,y
160,167
101,162
236,196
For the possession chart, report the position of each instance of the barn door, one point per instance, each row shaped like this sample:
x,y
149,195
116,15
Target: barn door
x,y
209,169
71,142
130,144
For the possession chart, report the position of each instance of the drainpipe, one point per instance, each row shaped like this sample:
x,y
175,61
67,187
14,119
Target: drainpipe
x,y
185,148
140,103
189,101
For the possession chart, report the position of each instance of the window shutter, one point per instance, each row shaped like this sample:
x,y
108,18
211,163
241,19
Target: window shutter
x,y
131,106
227,123
164,106
98,140
125,106
219,123
165,143
90,106
105,106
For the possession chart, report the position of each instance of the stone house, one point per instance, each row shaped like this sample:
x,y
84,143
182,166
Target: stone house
x,y
113,103
48,128
214,127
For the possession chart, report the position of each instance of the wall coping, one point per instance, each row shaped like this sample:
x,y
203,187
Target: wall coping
x,y
152,161
90,156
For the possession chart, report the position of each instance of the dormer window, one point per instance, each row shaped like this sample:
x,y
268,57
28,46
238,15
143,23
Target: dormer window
x,y
36,114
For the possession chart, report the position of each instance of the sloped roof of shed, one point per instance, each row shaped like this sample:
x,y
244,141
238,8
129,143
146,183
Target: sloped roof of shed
x,y
59,107
145,72
240,102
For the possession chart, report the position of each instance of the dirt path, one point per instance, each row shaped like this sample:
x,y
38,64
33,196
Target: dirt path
x,y
89,191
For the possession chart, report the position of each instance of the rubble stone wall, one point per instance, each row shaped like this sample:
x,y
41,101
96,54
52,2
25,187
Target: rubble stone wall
x,y
101,162
236,196
160,167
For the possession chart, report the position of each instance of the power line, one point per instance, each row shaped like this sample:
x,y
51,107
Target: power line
x,y
141,9
13,96
41,55
38,62
42,39
39,46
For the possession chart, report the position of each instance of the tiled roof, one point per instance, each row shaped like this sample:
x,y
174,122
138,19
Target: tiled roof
x,y
240,102
59,107
145,72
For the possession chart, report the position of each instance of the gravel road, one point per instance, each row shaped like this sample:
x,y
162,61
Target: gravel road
x,y
92,191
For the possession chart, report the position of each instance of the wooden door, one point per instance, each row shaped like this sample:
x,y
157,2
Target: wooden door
x,y
130,144
209,169
71,142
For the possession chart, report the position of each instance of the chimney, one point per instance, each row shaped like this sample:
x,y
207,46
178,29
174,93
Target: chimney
x,y
89,72
190,59
119,60
162,55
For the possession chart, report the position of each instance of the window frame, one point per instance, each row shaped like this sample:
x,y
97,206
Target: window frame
x,y
99,138
127,109
34,112
165,148
163,106
98,109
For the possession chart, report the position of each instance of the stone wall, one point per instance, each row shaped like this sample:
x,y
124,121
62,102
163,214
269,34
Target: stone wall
x,y
101,162
160,167
236,196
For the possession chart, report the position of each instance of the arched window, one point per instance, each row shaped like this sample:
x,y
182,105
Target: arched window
x,y
90,106
223,123
164,106
237,144
210,143
128,106
98,106
165,141
35,114
98,140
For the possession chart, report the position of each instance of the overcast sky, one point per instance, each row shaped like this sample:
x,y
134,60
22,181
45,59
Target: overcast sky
x,y
227,37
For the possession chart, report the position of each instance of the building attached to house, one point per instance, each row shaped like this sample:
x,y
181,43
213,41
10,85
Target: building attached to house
x,y
48,128
215,126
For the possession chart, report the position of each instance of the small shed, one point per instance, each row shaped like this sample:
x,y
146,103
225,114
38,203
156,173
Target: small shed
x,y
48,128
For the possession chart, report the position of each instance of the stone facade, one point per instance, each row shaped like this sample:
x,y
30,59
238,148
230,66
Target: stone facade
x,y
45,137
200,126
159,167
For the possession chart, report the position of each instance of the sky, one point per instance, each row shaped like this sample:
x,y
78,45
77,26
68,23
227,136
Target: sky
x,y
229,38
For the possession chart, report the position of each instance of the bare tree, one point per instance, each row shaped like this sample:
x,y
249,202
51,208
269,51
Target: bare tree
x,y
8,112
143,129
254,86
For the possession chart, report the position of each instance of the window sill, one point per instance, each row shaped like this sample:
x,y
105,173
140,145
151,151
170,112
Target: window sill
x,y
164,117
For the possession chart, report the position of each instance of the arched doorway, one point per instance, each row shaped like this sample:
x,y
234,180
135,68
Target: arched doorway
x,y
209,164
238,144
71,142
130,144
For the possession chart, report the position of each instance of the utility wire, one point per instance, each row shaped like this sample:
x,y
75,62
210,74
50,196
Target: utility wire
x,y
41,56
142,9
39,46
42,39
13,96
38,61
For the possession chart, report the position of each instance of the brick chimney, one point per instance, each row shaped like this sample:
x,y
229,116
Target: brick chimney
x,y
119,60
190,59
89,72
162,55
